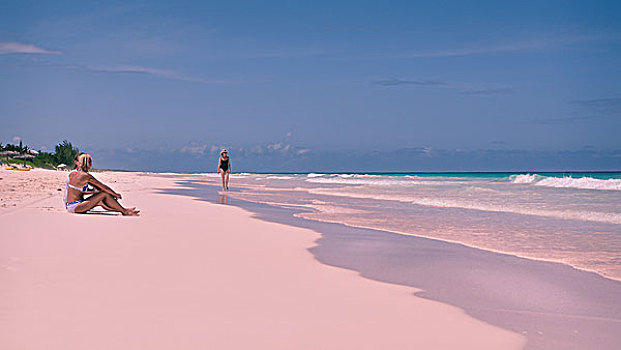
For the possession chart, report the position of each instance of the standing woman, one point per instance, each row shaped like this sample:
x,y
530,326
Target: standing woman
x,y
224,168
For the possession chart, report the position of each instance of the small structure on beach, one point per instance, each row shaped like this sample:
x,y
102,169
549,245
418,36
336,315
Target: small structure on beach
x,y
8,154
24,157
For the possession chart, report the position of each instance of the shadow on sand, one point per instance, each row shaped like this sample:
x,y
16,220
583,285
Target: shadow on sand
x,y
101,212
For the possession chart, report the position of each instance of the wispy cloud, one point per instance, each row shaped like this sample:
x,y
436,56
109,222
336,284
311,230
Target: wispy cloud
x,y
168,74
397,82
518,46
498,143
464,87
278,148
194,149
361,29
606,106
294,53
489,91
602,109
566,120
128,69
472,51
13,47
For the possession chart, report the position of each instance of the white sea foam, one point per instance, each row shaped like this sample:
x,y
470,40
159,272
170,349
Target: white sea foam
x,y
588,183
525,178
362,181
614,218
383,181
209,174
343,176
582,183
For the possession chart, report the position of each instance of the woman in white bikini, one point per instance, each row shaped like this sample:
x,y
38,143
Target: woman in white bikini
x,y
77,186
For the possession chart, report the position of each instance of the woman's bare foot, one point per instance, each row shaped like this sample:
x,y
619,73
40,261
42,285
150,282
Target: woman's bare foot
x,y
131,212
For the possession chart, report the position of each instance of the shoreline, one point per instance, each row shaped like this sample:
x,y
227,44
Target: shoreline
x,y
303,210
594,307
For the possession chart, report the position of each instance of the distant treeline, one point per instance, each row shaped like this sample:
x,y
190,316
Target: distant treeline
x,y
64,153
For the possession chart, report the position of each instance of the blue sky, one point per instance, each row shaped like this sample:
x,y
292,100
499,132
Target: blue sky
x,y
312,80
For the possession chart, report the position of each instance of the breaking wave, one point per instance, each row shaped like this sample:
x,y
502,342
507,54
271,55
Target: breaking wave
x,y
588,183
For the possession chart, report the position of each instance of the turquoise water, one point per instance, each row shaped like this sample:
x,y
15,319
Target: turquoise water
x,y
604,175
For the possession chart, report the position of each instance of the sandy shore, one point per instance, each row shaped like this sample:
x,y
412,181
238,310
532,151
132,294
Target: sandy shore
x,y
190,274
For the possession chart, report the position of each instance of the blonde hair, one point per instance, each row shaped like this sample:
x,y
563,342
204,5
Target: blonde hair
x,y
85,161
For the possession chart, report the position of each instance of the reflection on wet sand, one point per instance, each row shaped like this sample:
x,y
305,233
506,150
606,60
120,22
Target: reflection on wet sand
x,y
224,199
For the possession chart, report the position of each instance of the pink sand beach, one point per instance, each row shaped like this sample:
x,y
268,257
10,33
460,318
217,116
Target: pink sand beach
x,y
192,274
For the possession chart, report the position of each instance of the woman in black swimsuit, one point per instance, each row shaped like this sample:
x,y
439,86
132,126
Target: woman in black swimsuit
x,y
224,168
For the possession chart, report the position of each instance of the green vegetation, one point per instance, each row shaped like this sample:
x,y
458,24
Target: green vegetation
x,y
21,154
65,153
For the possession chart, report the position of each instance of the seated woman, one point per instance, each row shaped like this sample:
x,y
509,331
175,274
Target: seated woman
x,y
77,186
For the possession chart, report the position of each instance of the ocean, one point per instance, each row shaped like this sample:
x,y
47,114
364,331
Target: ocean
x,y
573,218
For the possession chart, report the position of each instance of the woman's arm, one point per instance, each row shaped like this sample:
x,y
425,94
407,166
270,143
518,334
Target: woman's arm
x,y
219,162
102,187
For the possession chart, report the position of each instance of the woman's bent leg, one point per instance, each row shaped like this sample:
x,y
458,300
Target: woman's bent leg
x,y
112,203
227,180
105,200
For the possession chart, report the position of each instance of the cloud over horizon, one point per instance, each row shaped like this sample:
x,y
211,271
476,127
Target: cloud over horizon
x,y
414,159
